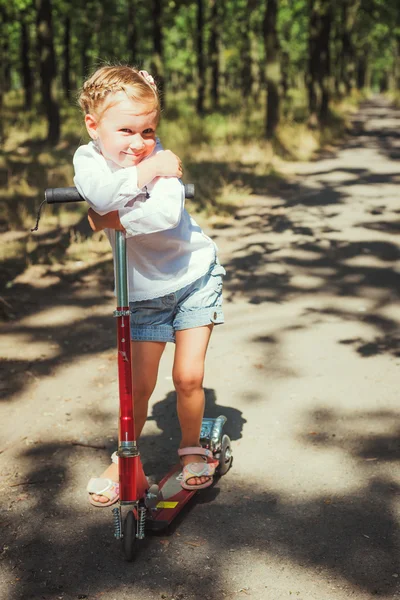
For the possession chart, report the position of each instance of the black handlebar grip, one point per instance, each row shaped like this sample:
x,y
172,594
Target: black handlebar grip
x,y
65,194
71,194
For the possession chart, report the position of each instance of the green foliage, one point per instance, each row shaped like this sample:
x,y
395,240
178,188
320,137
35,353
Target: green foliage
x,y
102,30
293,33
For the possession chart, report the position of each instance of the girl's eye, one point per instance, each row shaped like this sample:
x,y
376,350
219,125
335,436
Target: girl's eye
x,y
148,131
126,130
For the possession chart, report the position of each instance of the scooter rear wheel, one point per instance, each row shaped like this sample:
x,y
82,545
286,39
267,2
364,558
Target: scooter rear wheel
x,y
129,536
225,457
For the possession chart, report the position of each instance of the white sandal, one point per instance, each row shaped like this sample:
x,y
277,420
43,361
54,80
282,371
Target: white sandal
x,y
103,486
198,469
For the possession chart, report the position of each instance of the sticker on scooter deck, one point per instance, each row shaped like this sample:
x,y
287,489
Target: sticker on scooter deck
x,y
164,504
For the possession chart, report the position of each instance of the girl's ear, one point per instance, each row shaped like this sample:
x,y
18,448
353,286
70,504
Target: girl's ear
x,y
91,126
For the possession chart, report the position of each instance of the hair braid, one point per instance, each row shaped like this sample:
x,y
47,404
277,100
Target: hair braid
x,y
109,80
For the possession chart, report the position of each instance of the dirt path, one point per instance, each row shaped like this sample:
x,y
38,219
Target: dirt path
x,y
306,369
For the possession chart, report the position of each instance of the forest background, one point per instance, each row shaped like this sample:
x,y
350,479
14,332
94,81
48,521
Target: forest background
x,y
245,85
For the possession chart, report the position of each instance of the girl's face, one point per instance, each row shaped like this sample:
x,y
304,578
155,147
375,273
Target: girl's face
x,y
126,133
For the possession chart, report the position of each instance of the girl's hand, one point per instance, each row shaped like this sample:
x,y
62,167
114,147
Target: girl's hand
x,y
168,164
109,221
163,164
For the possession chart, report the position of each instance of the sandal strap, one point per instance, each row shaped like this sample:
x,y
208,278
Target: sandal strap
x,y
197,470
102,486
195,450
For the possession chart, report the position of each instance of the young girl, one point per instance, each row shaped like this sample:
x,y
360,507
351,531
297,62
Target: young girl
x,y
175,279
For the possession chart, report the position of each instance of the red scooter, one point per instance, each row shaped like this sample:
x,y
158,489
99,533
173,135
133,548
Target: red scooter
x,y
154,507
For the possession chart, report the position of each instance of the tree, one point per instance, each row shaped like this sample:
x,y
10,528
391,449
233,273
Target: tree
x,y
27,76
324,70
273,75
246,55
132,31
66,72
47,68
158,49
214,51
318,76
349,10
201,72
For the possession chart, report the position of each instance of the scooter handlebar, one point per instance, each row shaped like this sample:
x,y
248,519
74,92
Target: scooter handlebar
x,y
189,191
71,194
63,194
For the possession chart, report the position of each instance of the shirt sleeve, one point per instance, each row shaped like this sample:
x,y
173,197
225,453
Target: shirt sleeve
x,y
161,210
103,189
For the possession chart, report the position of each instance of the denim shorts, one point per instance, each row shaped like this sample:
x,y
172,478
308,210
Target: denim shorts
x,y
196,305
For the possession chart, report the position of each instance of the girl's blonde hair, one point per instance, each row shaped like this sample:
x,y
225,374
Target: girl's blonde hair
x,y
97,91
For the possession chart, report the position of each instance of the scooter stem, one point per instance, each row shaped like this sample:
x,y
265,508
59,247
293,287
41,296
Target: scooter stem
x,y
128,455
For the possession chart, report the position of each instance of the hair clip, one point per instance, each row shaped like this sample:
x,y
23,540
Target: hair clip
x,y
148,78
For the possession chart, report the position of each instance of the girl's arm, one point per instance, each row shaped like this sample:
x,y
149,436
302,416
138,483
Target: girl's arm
x,y
161,210
105,190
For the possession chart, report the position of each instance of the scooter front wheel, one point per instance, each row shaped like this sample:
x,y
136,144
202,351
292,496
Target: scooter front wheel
x,y
225,457
129,536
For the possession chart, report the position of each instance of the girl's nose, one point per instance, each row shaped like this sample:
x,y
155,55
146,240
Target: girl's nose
x,y
137,142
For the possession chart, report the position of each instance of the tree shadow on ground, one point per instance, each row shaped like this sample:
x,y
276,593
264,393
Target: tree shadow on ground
x,y
351,538
79,289
26,171
253,275
252,272
48,249
377,123
290,243
381,447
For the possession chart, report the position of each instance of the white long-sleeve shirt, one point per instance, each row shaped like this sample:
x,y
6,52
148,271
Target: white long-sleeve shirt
x,y
166,249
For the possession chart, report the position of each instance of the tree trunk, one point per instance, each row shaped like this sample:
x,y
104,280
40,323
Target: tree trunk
x,y
66,74
285,66
273,74
246,54
319,59
132,31
201,75
397,63
336,68
383,82
214,52
3,20
313,62
325,63
5,65
347,58
26,67
158,50
47,66
362,66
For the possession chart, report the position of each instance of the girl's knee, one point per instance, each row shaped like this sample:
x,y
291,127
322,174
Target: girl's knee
x,y
187,383
142,393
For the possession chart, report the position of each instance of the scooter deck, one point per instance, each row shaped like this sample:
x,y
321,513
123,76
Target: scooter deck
x,y
174,498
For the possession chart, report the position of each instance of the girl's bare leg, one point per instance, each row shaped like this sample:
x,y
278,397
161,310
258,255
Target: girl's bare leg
x,y
188,374
145,361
